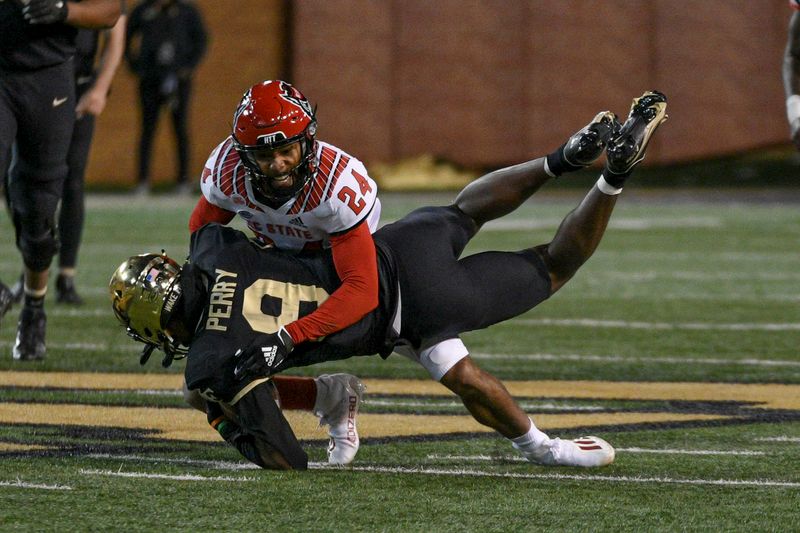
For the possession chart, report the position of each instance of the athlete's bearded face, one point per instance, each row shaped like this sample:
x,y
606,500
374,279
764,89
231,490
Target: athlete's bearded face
x,y
277,164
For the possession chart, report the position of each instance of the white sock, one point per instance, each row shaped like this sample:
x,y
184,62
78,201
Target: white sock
x,y
530,441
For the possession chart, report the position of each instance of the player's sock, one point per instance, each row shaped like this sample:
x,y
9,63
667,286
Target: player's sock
x,y
612,188
531,441
34,299
296,392
555,164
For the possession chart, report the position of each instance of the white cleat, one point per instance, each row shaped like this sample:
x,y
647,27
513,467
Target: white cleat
x,y
338,400
586,452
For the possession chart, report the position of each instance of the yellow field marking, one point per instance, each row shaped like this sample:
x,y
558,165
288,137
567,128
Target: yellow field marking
x,y
188,424
9,447
771,396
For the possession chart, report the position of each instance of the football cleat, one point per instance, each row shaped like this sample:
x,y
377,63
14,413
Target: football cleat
x,y
6,299
18,289
586,452
338,400
627,147
29,345
585,146
65,291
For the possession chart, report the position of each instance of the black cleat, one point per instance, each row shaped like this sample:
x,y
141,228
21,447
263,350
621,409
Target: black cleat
x,y
6,299
65,291
627,147
30,335
586,145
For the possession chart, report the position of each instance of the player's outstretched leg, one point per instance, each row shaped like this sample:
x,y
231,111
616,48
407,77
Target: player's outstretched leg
x,y
500,192
489,402
581,230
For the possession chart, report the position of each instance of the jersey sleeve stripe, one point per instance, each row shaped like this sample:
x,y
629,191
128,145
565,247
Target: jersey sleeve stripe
x,y
306,199
343,161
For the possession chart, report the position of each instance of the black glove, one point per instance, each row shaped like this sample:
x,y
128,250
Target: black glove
x,y
45,11
263,356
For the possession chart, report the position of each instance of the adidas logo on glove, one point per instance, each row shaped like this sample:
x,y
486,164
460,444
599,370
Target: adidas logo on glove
x,y
269,353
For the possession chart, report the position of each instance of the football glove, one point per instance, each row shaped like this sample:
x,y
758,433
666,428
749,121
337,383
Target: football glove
x,y
263,356
45,11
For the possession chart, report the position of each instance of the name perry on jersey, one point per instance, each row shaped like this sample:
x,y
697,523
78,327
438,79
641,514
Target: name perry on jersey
x,y
221,301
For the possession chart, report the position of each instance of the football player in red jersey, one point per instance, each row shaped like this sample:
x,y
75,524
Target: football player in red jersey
x,y
791,73
296,193
227,303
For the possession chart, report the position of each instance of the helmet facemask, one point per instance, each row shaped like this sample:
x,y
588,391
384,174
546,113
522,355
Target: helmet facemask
x,y
145,291
300,173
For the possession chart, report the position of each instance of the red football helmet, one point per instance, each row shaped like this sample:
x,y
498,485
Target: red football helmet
x,y
272,114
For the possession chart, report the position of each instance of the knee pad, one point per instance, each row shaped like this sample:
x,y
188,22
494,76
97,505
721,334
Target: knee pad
x,y
37,242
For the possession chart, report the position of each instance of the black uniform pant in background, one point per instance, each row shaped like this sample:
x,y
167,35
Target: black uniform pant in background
x,y
37,109
152,97
71,215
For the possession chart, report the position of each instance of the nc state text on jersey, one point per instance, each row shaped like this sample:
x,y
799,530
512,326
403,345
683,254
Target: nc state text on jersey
x,y
221,302
278,229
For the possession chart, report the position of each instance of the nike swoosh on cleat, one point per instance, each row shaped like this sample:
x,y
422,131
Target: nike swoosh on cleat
x,y
58,101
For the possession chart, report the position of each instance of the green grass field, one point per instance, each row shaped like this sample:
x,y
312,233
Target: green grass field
x,y
679,343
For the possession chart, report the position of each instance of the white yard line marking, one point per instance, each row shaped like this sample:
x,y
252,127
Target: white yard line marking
x,y
431,471
624,450
628,223
23,485
782,438
86,346
220,465
575,477
147,475
433,403
593,323
691,452
624,359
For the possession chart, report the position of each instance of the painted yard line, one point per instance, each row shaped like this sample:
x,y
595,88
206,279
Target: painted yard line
x,y
624,359
692,275
183,477
573,477
85,346
624,450
220,465
460,472
778,439
22,485
524,405
594,323
628,223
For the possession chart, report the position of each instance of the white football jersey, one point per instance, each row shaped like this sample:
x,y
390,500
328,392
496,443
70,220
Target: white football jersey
x,y
340,195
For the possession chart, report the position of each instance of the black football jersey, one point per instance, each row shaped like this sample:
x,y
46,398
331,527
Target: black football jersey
x,y
26,46
245,291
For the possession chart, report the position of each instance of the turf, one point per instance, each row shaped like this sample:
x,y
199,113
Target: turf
x,y
703,291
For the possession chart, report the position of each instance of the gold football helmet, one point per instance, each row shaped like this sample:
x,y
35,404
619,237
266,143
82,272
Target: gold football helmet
x,y
144,292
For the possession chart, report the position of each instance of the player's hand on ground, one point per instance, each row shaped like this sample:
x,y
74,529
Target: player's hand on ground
x,y
44,11
263,356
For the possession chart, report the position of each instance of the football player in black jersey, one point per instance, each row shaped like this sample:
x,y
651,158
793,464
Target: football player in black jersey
x,y
228,302
37,111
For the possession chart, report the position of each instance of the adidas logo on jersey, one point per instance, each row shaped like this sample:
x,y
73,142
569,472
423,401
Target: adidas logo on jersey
x,y
297,221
